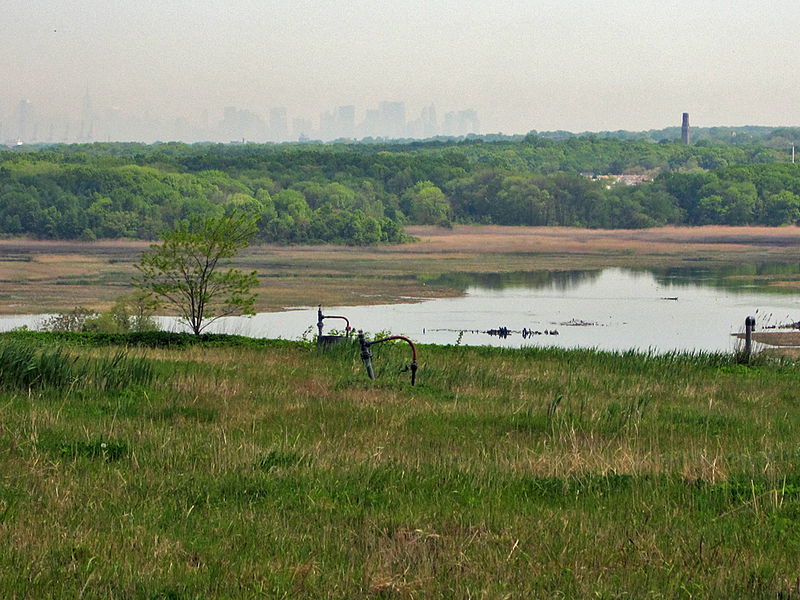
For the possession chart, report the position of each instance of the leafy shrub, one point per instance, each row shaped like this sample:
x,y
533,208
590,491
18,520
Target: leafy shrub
x,y
131,313
74,320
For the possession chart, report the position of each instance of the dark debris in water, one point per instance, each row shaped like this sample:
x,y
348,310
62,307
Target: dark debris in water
x,y
579,323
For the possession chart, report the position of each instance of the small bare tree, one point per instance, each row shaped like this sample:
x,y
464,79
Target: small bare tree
x,y
186,270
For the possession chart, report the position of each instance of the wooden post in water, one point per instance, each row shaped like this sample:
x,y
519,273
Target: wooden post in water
x,y
749,325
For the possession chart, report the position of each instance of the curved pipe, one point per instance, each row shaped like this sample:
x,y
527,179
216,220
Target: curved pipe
x,y
366,355
346,320
398,337
321,318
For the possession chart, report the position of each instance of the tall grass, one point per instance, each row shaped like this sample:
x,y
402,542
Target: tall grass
x,y
283,471
23,366
118,371
26,366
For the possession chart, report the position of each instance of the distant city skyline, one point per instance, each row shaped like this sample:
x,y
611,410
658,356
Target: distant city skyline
x,y
163,68
389,120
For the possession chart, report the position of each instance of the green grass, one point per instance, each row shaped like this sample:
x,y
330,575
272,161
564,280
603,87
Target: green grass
x,y
26,366
274,470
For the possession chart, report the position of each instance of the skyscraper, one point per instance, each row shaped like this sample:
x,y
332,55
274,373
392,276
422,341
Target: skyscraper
x,y
346,121
392,119
327,126
278,124
87,118
302,129
430,126
371,125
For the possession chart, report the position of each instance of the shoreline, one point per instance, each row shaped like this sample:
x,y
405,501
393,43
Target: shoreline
x,y
54,276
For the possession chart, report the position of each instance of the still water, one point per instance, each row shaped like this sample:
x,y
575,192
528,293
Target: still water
x,y
613,309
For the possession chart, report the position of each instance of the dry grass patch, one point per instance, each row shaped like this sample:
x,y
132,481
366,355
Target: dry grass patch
x,y
494,238
98,273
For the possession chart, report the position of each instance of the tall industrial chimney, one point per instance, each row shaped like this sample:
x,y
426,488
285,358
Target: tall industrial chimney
x,y
686,134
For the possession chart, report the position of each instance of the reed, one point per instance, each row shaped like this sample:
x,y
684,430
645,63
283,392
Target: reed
x,y
26,366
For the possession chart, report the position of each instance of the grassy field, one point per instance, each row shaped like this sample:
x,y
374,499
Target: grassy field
x,y
41,276
274,470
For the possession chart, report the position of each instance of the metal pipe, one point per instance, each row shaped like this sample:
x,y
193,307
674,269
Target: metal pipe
x,y
347,327
397,337
749,325
368,363
366,355
321,318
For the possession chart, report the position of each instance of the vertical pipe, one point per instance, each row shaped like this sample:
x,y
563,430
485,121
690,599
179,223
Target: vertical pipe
x,y
749,325
366,355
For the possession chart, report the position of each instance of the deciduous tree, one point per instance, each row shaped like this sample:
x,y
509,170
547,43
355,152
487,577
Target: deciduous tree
x,y
186,270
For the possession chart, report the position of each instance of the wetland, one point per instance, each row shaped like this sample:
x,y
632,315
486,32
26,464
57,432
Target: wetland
x,y
662,289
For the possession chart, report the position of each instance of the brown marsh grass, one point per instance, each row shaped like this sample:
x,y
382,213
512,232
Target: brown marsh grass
x,y
48,276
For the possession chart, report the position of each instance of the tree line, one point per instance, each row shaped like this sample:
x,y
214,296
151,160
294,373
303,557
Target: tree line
x,y
364,194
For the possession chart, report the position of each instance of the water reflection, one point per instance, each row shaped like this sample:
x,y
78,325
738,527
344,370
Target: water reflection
x,y
612,309
688,308
559,280
735,278
742,277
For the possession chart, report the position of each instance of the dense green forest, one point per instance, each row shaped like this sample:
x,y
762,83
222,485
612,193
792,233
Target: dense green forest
x,y
772,137
364,193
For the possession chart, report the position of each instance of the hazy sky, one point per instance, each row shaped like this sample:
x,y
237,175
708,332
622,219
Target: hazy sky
x,y
541,64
